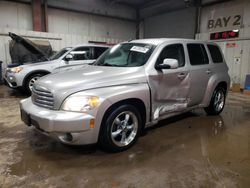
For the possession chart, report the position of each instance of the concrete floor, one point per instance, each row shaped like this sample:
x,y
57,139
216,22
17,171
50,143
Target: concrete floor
x,y
191,150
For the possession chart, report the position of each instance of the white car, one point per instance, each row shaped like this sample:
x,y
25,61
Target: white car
x,y
24,76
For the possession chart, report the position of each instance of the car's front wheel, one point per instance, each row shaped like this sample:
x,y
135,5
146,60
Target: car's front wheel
x,y
121,128
217,102
30,82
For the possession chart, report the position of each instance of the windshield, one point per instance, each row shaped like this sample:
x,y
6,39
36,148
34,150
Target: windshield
x,y
126,55
60,53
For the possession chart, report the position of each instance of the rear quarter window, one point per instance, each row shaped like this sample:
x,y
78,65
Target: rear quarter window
x,y
197,54
215,53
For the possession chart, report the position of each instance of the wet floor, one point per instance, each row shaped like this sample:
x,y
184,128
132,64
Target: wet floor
x,y
191,150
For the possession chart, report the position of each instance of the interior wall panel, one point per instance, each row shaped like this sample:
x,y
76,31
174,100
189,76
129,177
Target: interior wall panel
x,y
240,50
177,24
15,15
67,22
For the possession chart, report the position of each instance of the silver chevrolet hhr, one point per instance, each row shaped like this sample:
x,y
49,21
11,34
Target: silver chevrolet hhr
x,y
131,86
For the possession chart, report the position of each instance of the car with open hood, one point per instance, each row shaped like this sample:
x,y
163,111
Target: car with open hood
x,y
24,76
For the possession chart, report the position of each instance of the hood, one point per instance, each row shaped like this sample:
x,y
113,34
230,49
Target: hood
x,y
28,44
38,64
25,51
91,77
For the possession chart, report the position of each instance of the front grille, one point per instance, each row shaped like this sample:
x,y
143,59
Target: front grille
x,y
42,97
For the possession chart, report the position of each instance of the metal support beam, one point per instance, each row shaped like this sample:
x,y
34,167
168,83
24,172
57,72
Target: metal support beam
x,y
137,27
36,15
197,4
40,15
45,15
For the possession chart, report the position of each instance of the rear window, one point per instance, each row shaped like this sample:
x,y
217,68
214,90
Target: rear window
x,y
197,54
215,53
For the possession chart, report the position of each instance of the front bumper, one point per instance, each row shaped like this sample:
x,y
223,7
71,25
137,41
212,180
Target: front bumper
x,y
59,124
10,81
13,80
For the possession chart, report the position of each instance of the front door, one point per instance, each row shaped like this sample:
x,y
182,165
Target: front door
x,y
81,56
169,87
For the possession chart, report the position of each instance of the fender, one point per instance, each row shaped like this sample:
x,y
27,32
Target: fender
x,y
213,82
34,72
112,95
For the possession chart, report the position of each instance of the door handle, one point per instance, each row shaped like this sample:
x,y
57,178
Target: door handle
x,y
208,71
181,75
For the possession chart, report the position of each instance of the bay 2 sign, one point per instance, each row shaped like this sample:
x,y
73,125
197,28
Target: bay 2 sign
x,y
224,22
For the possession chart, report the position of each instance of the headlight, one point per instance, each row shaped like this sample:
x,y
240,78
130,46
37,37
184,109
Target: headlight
x,y
80,103
15,69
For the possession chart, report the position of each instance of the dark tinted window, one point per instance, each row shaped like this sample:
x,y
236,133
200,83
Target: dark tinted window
x,y
215,53
81,53
173,51
99,51
197,54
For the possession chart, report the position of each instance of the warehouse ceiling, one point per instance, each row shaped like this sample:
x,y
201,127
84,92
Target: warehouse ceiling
x,y
140,4
149,8
136,3
132,10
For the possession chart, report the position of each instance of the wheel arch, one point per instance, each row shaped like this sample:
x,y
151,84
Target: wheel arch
x,y
222,84
136,102
210,90
34,72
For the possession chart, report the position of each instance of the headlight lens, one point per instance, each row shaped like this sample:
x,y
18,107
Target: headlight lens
x,y
15,69
80,103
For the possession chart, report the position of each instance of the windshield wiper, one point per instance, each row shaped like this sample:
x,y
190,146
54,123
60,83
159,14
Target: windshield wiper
x,y
91,63
110,65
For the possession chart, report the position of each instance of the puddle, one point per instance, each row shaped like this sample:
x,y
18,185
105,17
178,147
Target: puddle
x,y
190,150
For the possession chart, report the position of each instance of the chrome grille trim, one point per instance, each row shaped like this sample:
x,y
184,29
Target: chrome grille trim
x,y
42,93
42,97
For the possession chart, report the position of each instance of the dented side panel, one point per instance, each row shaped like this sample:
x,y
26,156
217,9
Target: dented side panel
x,y
169,93
169,90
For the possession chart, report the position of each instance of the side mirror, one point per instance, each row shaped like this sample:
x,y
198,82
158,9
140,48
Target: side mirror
x,y
168,64
68,57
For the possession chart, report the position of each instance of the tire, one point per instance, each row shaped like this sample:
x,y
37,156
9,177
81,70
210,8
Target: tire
x,y
30,81
217,102
117,133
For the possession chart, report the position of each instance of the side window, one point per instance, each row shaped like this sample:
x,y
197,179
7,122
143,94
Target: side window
x,y
99,51
215,53
173,51
81,53
197,54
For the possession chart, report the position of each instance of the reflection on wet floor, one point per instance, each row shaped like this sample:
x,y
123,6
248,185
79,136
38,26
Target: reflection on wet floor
x,y
190,150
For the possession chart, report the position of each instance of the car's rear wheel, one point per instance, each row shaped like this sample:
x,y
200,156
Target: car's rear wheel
x,y
121,129
30,82
217,102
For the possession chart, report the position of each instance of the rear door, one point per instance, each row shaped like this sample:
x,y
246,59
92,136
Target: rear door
x,y
200,72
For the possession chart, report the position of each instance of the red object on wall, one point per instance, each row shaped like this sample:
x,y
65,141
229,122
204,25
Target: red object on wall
x,y
224,35
231,45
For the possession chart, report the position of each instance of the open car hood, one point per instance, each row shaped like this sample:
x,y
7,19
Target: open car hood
x,y
24,51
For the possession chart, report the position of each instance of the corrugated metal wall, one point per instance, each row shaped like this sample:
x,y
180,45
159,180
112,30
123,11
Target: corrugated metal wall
x,y
175,24
61,21
236,51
